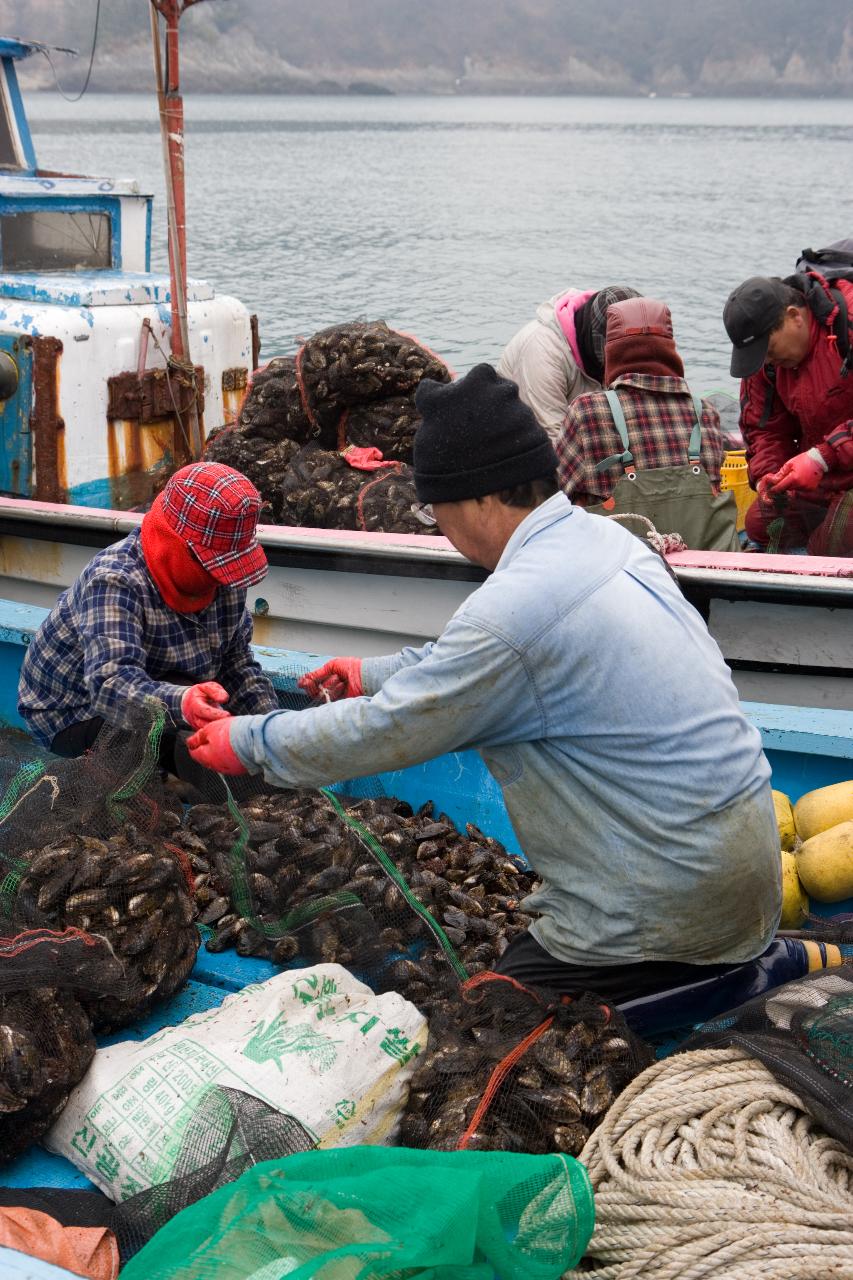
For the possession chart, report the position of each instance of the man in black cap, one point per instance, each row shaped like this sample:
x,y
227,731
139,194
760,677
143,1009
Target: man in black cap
x,y
637,789
790,342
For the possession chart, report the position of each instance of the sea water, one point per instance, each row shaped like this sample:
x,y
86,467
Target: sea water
x,y
452,218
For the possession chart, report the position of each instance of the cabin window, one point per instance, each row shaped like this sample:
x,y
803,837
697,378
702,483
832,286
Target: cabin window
x,y
54,241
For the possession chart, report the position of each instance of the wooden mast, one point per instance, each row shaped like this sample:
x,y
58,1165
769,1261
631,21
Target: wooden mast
x,y
171,106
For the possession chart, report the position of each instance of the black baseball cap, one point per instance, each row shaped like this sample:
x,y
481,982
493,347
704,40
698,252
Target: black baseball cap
x,y
750,314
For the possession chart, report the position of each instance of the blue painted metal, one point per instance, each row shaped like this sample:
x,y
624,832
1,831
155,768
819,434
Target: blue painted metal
x,y
110,205
12,48
92,493
16,103
149,207
96,288
16,455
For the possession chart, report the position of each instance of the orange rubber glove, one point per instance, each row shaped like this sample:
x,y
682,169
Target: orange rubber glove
x,y
201,704
346,671
211,747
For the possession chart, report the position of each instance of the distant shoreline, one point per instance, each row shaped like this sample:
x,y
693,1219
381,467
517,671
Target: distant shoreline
x,y
365,91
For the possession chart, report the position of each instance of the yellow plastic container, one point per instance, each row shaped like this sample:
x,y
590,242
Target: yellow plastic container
x,y
733,475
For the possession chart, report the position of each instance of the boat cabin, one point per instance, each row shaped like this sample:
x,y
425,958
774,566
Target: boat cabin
x,y
91,412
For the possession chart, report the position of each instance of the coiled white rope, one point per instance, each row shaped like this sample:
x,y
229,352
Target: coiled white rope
x,y
707,1166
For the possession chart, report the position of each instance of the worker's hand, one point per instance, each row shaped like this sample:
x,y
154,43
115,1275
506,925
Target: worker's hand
x,y
201,704
211,747
804,472
340,671
763,488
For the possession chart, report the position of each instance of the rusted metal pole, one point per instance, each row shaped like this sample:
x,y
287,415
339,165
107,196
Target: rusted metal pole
x,y
171,107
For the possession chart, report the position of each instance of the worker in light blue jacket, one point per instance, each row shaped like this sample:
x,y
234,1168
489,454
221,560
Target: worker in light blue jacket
x,y
637,789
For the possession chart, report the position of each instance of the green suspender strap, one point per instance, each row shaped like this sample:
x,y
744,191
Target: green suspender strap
x,y
626,457
694,445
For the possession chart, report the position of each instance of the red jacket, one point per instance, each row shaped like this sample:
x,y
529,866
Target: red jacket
x,y
812,408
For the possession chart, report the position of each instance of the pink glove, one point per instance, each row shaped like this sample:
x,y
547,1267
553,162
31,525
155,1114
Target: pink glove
x,y
200,704
340,670
211,747
804,472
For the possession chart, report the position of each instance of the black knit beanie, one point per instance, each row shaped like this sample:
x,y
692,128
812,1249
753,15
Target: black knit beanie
x,y
477,437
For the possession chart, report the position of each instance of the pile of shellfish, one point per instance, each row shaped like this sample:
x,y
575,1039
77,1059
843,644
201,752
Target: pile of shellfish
x,y
129,889
350,384
264,462
307,884
46,1046
321,490
549,1100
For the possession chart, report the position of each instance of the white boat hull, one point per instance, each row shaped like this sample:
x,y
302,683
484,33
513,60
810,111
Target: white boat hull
x,y
787,636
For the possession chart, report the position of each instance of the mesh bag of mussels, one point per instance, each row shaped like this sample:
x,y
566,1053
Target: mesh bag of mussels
x,y
46,1040
349,364
510,1068
85,844
350,384
322,490
403,899
264,462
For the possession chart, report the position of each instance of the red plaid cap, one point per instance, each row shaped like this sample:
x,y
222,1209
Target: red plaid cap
x,y
215,510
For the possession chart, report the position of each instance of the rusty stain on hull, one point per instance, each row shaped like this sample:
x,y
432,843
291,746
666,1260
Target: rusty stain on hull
x,y
141,458
46,424
147,432
234,384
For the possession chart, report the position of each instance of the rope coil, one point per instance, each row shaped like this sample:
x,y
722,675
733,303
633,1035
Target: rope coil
x,y
665,543
706,1166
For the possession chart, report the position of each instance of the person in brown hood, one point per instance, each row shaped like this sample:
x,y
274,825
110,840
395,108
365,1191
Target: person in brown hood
x,y
646,444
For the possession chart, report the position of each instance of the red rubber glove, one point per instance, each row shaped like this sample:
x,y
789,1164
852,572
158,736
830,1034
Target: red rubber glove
x,y
346,671
211,747
200,703
804,472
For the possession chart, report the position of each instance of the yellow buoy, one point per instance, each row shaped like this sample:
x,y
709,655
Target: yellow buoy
x,y
795,904
825,864
819,810
784,819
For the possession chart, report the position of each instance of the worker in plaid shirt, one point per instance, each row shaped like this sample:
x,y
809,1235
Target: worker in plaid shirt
x,y
158,616
643,366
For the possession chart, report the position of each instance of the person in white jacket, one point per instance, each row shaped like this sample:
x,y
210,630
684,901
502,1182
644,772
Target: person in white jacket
x,y
559,355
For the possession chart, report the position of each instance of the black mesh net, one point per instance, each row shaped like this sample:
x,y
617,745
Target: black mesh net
x,y
803,1033
229,1131
510,1068
46,1040
85,844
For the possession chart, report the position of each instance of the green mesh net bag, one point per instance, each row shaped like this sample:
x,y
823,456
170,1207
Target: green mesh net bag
x,y
365,1212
